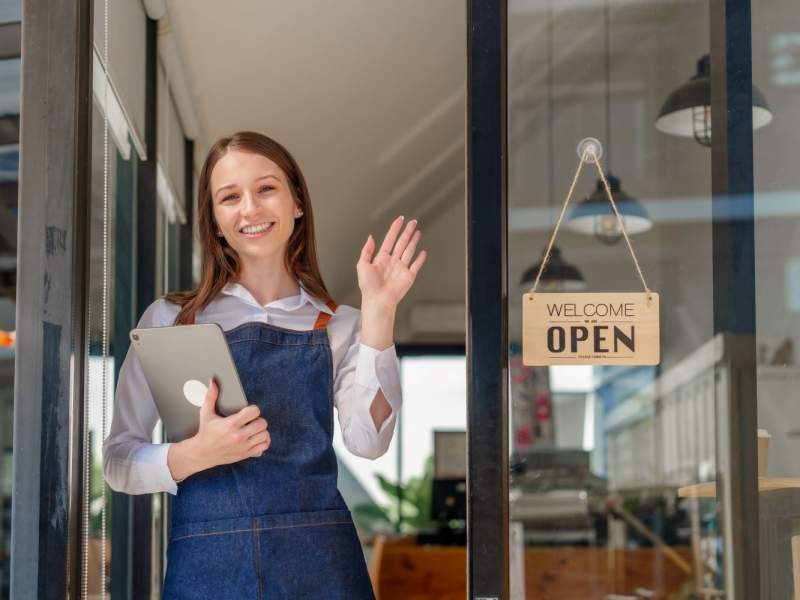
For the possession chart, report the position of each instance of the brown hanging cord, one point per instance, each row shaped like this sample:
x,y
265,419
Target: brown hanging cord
x,y
589,153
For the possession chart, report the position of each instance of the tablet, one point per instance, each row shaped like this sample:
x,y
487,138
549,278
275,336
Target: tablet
x,y
178,362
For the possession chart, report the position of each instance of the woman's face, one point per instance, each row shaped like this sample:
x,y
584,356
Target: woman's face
x,y
253,204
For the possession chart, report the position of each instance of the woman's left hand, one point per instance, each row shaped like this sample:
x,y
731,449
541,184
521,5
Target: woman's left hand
x,y
386,278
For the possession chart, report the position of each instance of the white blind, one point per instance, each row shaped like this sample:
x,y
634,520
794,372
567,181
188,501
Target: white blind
x,y
171,145
127,35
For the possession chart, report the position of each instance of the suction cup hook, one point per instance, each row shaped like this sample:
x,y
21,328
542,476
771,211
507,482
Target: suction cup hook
x,y
590,149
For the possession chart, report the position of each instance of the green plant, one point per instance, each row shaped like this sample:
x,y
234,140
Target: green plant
x,y
409,510
96,501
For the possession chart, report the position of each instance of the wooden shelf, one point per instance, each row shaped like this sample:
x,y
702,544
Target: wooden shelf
x,y
765,484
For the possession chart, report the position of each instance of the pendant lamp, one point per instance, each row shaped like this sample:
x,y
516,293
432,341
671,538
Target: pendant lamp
x,y
558,274
687,110
594,215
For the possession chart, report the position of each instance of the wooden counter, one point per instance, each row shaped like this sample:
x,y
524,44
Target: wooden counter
x,y
404,571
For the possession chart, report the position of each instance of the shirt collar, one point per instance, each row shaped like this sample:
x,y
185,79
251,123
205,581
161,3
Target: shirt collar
x,y
289,303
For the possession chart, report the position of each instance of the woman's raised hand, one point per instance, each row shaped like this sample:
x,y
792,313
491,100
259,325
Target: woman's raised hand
x,y
219,440
386,278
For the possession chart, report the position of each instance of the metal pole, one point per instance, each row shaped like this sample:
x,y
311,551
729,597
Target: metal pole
x,y
487,306
52,267
734,291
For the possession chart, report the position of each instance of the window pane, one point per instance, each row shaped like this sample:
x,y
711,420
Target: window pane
x,y
776,75
606,459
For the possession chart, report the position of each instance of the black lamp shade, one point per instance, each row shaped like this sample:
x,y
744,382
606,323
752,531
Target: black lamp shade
x,y
558,274
687,110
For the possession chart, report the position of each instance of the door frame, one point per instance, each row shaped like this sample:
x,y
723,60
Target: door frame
x,y
487,302
733,257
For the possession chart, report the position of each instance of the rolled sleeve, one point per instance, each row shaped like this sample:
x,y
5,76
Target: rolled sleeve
x,y
360,373
378,370
143,471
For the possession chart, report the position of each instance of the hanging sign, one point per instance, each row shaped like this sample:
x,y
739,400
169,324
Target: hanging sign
x,y
590,328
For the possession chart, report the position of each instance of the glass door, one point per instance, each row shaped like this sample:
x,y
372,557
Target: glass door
x,y
605,459
628,481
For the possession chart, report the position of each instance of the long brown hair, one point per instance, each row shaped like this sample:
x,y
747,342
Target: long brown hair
x,y
219,262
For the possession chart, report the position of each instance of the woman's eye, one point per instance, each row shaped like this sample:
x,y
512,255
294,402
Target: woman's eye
x,y
265,188
228,197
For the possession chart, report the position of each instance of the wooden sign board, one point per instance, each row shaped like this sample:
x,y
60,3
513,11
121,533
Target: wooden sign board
x,y
590,329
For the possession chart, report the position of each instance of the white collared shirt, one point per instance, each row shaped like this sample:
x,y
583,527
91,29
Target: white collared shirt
x,y
133,464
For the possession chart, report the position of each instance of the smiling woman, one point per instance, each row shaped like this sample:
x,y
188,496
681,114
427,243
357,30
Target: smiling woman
x,y
264,480
247,180
253,206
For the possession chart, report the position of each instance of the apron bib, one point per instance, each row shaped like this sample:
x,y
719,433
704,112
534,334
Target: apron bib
x,y
273,526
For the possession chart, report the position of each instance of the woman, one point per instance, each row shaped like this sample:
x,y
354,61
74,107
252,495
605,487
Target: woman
x,y
257,512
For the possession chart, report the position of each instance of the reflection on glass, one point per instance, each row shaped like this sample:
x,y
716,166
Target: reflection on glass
x,y
100,381
776,71
10,11
611,466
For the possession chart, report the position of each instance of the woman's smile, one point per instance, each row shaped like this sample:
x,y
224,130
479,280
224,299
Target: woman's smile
x,y
256,231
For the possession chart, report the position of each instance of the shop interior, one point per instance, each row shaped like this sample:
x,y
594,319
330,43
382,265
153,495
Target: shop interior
x,y
370,98
612,468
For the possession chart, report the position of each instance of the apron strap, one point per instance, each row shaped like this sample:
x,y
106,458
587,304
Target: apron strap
x,y
323,318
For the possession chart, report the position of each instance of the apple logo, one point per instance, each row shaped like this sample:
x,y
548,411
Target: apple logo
x,y
195,392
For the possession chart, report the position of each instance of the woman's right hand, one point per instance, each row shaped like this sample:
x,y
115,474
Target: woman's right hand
x,y
219,440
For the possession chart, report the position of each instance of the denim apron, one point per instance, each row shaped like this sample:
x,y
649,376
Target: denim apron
x,y
273,526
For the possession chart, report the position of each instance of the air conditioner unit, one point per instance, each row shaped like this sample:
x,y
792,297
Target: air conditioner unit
x,y
438,318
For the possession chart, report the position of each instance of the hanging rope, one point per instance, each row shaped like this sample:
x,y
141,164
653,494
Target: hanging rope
x,y
589,154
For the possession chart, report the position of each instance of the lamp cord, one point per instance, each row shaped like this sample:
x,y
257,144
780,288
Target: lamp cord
x,y
550,108
607,53
589,156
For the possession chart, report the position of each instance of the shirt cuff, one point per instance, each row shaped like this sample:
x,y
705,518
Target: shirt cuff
x,y
379,370
154,457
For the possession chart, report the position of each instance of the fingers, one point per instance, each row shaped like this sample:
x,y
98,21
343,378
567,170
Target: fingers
x,y
253,427
368,249
261,437
391,235
258,449
404,239
209,407
408,253
244,416
417,264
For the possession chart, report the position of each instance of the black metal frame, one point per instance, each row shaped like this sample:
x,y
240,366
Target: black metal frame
x,y
132,517
487,306
733,242
124,320
53,260
186,230
146,256
430,350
